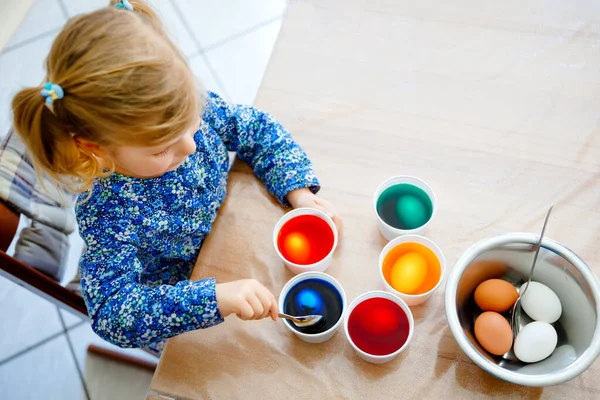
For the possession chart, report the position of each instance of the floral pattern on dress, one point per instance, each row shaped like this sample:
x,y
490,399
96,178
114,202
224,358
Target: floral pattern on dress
x,y
143,236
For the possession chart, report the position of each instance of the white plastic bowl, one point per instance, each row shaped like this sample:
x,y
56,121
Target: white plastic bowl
x,y
374,359
316,337
388,231
319,266
413,299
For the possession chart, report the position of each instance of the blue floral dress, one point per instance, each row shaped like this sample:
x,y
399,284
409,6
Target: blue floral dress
x,y
143,236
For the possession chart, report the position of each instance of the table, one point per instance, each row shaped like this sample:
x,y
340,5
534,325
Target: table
x,y
494,104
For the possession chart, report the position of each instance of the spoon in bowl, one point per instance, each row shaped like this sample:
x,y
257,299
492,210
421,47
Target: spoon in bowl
x,y
516,316
304,321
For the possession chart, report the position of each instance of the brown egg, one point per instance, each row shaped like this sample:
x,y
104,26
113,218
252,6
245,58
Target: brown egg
x,y
493,333
495,295
477,272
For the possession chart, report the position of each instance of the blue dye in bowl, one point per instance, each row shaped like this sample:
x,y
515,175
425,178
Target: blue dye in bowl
x,y
314,296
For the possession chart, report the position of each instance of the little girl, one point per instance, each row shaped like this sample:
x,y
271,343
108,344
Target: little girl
x,y
121,121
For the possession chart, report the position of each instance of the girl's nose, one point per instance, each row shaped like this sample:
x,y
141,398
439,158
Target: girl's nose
x,y
188,146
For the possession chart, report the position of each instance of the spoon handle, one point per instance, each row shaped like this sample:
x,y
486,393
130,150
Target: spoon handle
x,y
286,316
513,318
537,250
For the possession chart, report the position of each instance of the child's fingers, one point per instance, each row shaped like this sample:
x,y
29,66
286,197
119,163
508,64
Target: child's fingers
x,y
272,307
339,225
257,306
326,207
265,298
245,311
274,310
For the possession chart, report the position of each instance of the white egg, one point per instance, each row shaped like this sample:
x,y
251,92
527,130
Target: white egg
x,y
535,342
541,303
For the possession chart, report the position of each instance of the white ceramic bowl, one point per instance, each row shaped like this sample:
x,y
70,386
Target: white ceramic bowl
x,y
317,337
373,359
413,299
388,231
318,266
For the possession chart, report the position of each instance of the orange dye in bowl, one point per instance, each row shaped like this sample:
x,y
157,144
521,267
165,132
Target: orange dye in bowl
x,y
432,276
305,240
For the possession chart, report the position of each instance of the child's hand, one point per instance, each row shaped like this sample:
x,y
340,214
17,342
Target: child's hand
x,y
305,198
246,298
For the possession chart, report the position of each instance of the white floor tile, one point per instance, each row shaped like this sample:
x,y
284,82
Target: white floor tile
x,y
47,372
108,379
207,78
20,68
241,63
75,7
44,16
69,318
165,10
214,21
26,319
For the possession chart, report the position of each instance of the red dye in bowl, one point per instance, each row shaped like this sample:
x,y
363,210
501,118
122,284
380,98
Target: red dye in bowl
x,y
305,239
378,326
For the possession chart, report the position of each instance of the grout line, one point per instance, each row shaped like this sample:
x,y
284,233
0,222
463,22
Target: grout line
x,y
233,37
30,348
36,345
199,48
194,54
215,76
76,324
72,350
69,328
63,7
29,41
187,27
240,34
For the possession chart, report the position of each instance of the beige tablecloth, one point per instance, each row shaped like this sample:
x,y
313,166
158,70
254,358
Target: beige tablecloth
x,y
495,104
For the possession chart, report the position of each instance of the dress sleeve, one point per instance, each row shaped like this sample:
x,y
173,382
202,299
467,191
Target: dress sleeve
x,y
126,312
261,141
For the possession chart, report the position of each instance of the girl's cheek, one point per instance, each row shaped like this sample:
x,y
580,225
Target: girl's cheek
x,y
162,164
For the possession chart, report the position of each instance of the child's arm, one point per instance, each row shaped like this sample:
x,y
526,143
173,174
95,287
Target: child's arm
x,y
265,144
128,313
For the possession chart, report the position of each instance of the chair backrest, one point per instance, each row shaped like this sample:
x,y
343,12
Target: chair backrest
x,y
28,277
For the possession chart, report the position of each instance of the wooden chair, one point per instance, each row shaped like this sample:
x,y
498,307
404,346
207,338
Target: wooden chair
x,y
48,288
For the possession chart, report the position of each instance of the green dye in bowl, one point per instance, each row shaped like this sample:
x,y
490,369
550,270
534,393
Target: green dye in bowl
x,y
404,206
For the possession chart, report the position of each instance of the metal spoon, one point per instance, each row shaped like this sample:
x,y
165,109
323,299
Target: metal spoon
x,y
304,321
516,316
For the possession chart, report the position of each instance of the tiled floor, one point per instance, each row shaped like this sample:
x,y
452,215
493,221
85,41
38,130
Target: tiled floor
x,y
43,350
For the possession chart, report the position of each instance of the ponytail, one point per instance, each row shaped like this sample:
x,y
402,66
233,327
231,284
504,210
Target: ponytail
x,y
121,82
51,146
141,8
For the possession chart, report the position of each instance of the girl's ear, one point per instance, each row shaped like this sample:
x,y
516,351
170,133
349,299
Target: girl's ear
x,y
95,149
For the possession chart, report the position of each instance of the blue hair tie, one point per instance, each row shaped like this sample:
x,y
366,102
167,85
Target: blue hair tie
x,y
52,92
125,4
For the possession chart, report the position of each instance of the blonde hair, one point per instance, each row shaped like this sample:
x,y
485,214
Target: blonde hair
x,y
124,82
